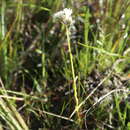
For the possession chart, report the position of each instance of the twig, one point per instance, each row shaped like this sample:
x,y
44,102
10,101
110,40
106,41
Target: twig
x,y
103,97
83,102
100,99
53,114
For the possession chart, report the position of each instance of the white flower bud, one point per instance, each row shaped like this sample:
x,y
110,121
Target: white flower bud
x,y
64,16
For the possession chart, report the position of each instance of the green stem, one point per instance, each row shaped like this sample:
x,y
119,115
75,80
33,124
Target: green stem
x,y
3,19
73,72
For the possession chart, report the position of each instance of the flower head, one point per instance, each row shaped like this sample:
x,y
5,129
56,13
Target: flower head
x,y
64,16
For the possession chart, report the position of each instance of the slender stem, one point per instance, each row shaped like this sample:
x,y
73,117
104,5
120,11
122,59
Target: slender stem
x,y
73,72
3,19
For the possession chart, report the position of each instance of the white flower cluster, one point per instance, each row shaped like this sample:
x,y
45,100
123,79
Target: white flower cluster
x,y
64,16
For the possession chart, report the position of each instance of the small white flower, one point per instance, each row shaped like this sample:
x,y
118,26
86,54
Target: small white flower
x,y
123,16
64,16
123,26
125,36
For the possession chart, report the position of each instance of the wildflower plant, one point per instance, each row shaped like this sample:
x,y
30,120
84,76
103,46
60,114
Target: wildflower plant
x,y
65,17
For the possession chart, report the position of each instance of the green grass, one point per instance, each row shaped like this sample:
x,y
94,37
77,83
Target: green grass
x,y
50,79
